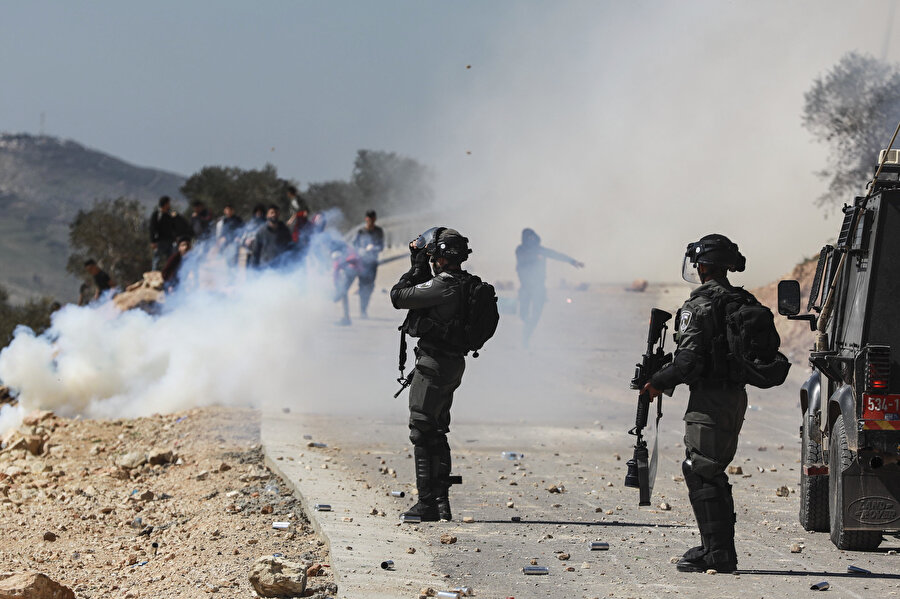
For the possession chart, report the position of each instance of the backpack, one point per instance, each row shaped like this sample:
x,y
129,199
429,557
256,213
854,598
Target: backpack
x,y
746,335
478,315
475,323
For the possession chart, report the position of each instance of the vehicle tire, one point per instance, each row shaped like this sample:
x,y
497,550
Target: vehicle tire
x,y
813,489
839,458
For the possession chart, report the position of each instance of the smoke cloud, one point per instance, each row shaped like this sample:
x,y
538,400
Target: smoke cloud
x,y
270,338
623,131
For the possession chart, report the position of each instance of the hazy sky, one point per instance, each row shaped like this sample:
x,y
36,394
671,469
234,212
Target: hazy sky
x,y
619,130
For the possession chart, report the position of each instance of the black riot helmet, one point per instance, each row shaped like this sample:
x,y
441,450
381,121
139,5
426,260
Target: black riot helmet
x,y
443,242
715,250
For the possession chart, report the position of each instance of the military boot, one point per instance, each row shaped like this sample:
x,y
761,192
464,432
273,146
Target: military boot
x,y
714,509
694,483
440,464
426,510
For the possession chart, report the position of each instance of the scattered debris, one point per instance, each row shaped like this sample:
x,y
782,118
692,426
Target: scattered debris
x,y
398,494
563,556
132,460
387,564
312,571
410,550
322,507
513,455
857,570
665,506
638,286
447,539
796,548
316,444
277,577
820,586
158,457
32,585
735,470
557,488
599,546
535,570
281,525
468,519
782,491
49,536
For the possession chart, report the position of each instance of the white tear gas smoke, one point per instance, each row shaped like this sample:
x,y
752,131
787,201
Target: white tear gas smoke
x,y
216,340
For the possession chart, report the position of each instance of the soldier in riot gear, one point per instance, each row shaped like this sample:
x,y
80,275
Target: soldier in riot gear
x,y
717,404
434,302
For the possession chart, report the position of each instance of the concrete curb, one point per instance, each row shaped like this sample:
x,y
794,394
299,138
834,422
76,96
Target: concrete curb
x,y
357,540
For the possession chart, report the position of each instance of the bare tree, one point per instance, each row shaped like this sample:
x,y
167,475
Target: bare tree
x,y
853,109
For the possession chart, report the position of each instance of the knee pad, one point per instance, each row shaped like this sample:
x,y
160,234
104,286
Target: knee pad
x,y
417,437
691,478
432,440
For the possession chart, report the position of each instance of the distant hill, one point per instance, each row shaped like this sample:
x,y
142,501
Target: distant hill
x,y
44,182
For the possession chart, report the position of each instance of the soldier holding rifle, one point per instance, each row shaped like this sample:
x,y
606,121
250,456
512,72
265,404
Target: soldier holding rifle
x,y
717,403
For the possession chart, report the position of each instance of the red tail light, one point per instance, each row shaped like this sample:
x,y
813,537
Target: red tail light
x,y
878,368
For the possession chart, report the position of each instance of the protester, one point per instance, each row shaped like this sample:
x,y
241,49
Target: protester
x,y
228,227
271,241
102,281
299,223
165,226
369,242
347,267
201,220
229,224
172,270
531,266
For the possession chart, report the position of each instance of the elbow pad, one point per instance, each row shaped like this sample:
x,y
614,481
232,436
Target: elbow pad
x,y
686,367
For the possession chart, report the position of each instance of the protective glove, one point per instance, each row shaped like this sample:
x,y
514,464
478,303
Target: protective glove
x,y
420,270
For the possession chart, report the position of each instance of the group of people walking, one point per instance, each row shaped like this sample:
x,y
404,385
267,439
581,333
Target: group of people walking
x,y
266,241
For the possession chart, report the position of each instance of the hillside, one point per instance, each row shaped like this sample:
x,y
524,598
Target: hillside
x,y
796,338
44,181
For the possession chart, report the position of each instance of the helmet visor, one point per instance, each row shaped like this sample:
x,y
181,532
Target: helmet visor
x,y
422,241
689,271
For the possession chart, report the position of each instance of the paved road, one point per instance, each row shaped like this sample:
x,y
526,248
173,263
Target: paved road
x,y
565,405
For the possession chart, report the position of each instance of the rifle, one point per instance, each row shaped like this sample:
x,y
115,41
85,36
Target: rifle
x,y
642,471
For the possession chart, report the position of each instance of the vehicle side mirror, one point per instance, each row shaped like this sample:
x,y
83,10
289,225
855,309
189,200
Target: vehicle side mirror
x,y
788,298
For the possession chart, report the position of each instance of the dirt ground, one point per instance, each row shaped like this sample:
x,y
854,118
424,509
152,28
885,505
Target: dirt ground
x,y
88,514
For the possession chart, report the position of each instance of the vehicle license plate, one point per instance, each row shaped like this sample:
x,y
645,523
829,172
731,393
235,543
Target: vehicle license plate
x,y
881,407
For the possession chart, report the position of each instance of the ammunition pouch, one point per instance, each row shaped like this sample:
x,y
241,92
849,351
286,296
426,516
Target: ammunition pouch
x,y
416,324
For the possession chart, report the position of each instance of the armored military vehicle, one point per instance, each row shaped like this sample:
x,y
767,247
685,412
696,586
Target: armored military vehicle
x,y
850,431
